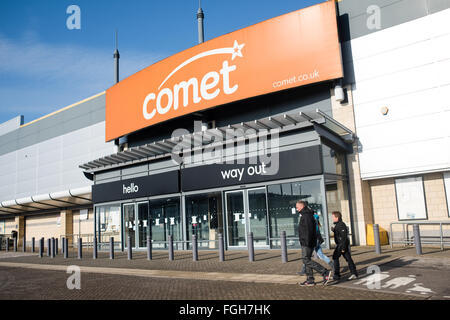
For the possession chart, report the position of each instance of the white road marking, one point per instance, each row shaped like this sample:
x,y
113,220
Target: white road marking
x,y
399,282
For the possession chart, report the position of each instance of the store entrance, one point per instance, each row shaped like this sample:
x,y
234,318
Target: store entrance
x,y
136,224
246,211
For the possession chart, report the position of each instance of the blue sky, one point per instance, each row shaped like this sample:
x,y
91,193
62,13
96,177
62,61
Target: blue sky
x,y
44,66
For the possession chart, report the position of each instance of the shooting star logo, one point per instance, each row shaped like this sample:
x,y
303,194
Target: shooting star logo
x,y
235,51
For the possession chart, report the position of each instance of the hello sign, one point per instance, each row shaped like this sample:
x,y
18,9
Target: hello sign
x,y
291,50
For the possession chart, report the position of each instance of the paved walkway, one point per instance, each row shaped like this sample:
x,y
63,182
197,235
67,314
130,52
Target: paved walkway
x,y
403,273
17,283
213,276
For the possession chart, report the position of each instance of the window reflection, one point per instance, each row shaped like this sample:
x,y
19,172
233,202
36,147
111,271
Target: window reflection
x,y
108,223
165,220
204,218
282,213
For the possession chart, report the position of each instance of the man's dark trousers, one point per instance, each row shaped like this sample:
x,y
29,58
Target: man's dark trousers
x,y
347,256
310,264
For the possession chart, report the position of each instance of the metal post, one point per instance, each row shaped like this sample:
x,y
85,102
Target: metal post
x,y
94,251
41,247
66,248
407,234
49,246
7,245
194,248
392,236
284,256
221,248
80,248
63,244
376,237
171,247
1,241
111,248
130,249
200,17
442,237
24,244
417,241
149,248
53,248
33,243
15,244
56,246
251,250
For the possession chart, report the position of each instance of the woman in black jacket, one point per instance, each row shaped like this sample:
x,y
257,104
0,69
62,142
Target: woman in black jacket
x,y
342,247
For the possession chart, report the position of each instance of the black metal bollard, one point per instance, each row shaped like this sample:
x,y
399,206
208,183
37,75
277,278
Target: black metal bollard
x,y
80,248
7,245
24,244
53,249
1,242
94,251
66,248
15,244
284,256
111,248
56,246
171,257
376,238
417,241
149,248
221,248
194,248
251,249
130,249
41,247
49,247
33,243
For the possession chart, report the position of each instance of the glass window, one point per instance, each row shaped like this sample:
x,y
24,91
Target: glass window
x,y
143,225
447,189
410,199
282,213
338,200
333,161
204,218
109,223
165,220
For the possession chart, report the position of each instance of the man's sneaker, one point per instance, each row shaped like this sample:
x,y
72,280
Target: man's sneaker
x,y
307,284
336,278
327,277
353,277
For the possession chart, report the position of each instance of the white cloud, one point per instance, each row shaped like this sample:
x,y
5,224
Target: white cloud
x,y
42,70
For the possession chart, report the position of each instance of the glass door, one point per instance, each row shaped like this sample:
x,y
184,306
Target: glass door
x,y
143,224
129,224
257,216
246,211
236,221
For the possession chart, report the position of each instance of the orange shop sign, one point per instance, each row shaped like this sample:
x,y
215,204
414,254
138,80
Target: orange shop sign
x,y
291,50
